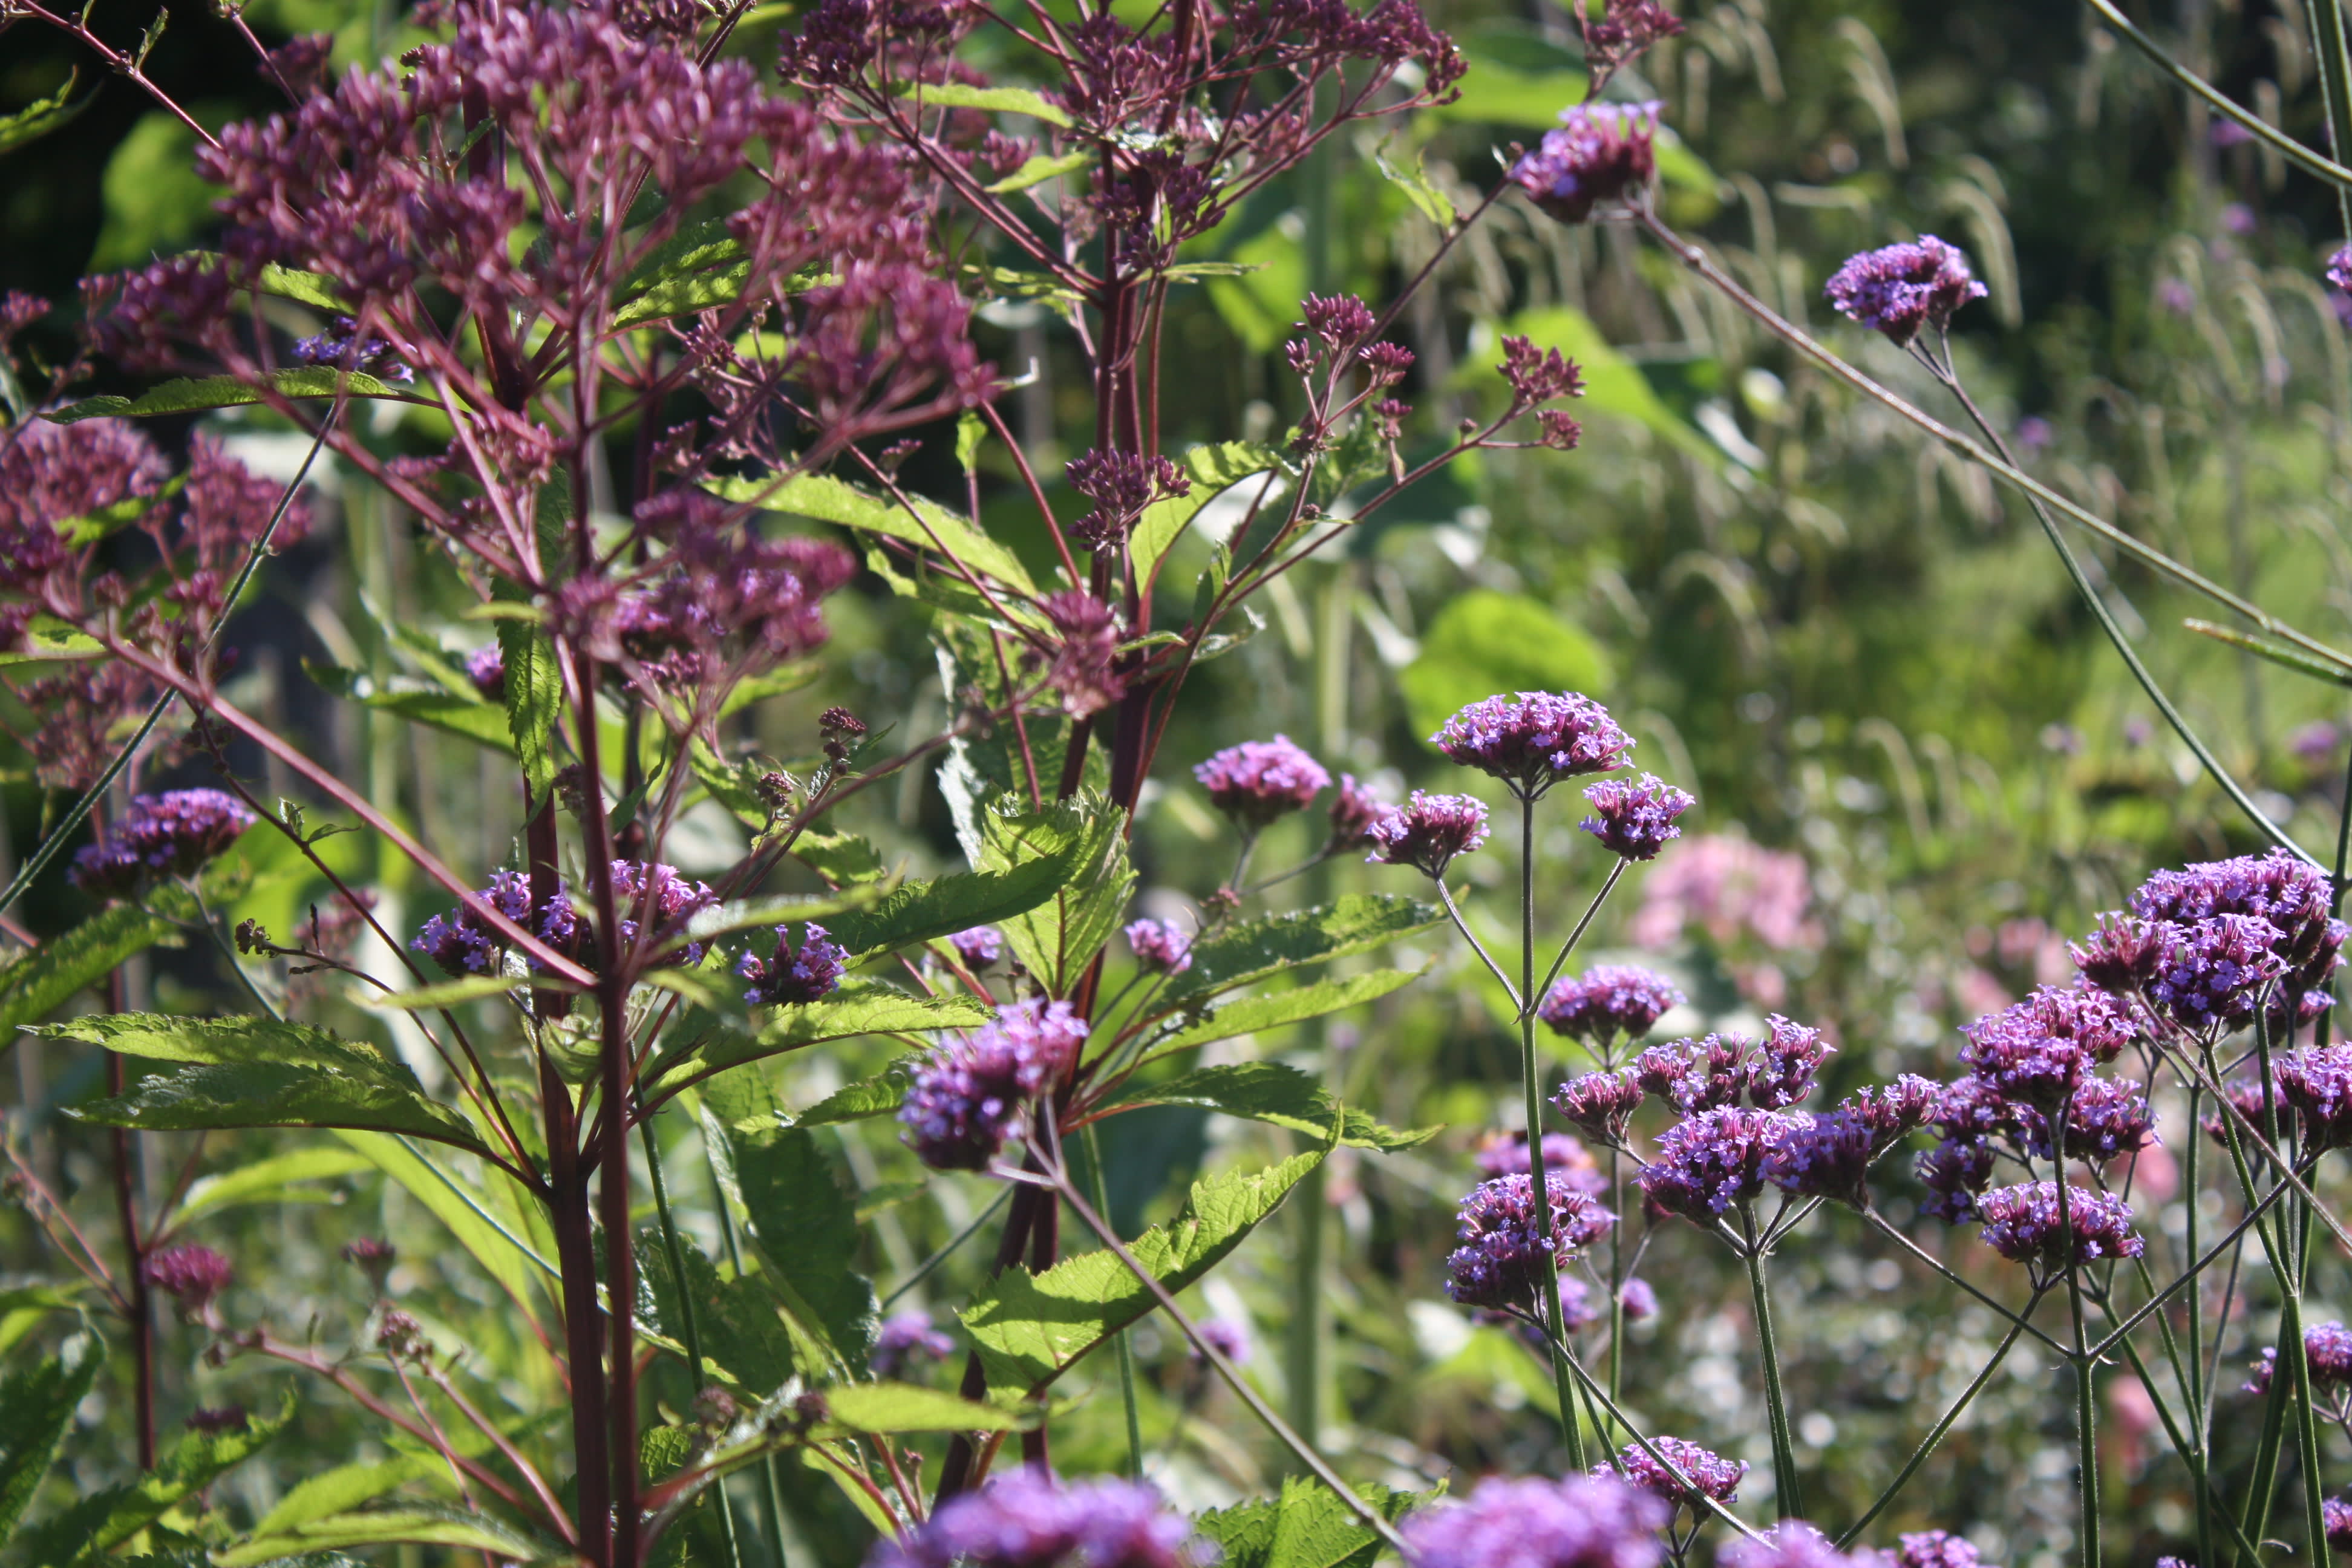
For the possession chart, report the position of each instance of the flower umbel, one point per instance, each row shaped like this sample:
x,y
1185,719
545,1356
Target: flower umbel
x,y
1601,152
794,975
1501,1260
161,836
973,1093
1584,1521
2021,1224
1428,832
1029,1520
1899,288
1634,818
1607,1001
1260,782
1535,739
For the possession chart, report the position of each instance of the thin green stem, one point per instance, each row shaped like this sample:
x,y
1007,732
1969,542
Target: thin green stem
x,y
1539,1175
1927,1445
771,1491
691,1329
1787,1498
1119,1340
923,1271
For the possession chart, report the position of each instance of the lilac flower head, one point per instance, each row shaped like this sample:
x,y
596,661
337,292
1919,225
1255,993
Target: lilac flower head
x,y
1901,287
1711,1163
1606,1001
1794,1543
791,974
1259,782
1709,1475
486,666
905,1338
192,1276
1954,1171
2289,893
2021,1224
1904,1106
1081,671
1353,812
1825,1157
1121,485
1501,1260
1601,1105
2327,1349
973,1092
1506,1154
1535,739
1791,1055
2335,1517
2339,268
980,948
1029,1520
1638,1300
2317,1083
1228,1338
1601,152
2124,955
1620,35
161,836
462,943
1634,818
2106,1118
2214,976
2265,1368
1935,1549
1584,1521
2037,1050
342,347
667,900
1428,832
1161,948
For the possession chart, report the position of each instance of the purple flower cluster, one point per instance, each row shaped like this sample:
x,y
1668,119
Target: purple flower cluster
x,y
2021,1224
1500,1261
462,943
1954,1171
1259,782
1607,1001
1161,948
973,1092
1353,811
1120,485
979,948
1710,1164
1428,832
1029,1520
1601,152
2038,1050
486,666
2316,1081
1701,1075
794,975
1899,288
1935,1549
2214,975
2339,268
1506,1154
161,836
1709,1474
1584,1521
1794,1543
1601,1105
2291,895
192,1276
1634,818
1535,739
1825,1157
905,1338
660,893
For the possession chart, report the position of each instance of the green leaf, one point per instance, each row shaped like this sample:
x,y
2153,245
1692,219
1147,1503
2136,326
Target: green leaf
x,y
49,639
743,1341
858,1408
266,1180
1282,1096
270,1094
468,718
1040,168
688,291
1058,938
880,1095
1482,642
918,911
1258,948
107,520
289,283
1306,1527
804,1220
1525,101
39,981
102,1520
840,858
456,992
1213,469
859,1007
1276,1009
340,1490
741,914
534,689
197,395
1001,99
1030,1328
419,1524
36,1405
1418,188
35,121
501,1242
929,526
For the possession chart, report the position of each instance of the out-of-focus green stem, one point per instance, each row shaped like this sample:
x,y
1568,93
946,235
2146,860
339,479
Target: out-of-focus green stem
x,y
1786,1496
1538,1175
690,1328
1119,1340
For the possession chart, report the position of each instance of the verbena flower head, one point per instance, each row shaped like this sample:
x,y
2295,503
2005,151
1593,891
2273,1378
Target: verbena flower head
x,y
1935,1549
2105,1118
974,1092
486,666
462,943
1638,1300
1601,1105
905,1338
1029,1520
1710,1164
1607,1001
192,1276
2291,894
980,948
1634,818
1161,948
1428,832
1506,1154
2328,1350
1620,35
792,975
1899,288
1893,1109
1708,1474
2316,1081
2124,953
1120,485
2339,268
161,836
1794,1543
1259,782
2021,1224
2037,1050
1584,1521
2335,1513
1501,1260
1228,1338
1601,152
1535,739
1954,1171
1700,1075
2213,977
665,899
1825,1157
1353,811
1789,1057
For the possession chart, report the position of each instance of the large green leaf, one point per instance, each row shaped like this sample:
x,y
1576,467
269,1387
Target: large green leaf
x,y
1258,948
743,1341
1271,1092
1030,1328
277,1094
1003,99
1308,1526
99,1523
36,120
1058,938
1482,642
343,1488
497,1234
534,689
417,1524
1277,1009
196,395
36,1405
51,974
281,1178
858,1408
1212,469
859,1007
877,1096
920,911
929,526
804,1220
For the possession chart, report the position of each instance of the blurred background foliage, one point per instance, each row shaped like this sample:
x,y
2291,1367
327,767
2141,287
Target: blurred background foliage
x,y
1918,766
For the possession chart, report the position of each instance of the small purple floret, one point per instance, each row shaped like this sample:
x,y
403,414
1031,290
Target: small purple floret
x,y
1159,948
1794,1543
1825,1157
486,666
2021,1224
1634,818
980,948
1029,1520
1601,152
905,1338
1500,1263
1709,1474
794,975
1714,1162
1584,1521
1935,1549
